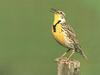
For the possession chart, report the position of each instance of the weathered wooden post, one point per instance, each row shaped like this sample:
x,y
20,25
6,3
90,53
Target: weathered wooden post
x,y
68,67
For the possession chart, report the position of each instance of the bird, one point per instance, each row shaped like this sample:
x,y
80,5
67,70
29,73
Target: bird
x,y
64,34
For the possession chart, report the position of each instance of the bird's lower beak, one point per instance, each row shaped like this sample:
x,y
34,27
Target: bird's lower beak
x,y
53,10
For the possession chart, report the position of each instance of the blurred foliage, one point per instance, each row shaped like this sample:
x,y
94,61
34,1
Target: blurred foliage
x,y
26,43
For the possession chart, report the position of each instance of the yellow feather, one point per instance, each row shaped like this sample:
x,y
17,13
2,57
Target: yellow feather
x,y
58,35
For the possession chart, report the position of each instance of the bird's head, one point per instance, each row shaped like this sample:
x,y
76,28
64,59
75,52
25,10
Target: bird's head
x,y
58,15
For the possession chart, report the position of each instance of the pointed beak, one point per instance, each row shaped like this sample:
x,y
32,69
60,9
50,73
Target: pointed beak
x,y
53,10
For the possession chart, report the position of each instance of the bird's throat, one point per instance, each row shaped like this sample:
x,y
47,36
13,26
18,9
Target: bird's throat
x,y
54,26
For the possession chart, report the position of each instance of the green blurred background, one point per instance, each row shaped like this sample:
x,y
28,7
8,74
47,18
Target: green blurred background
x,y
26,44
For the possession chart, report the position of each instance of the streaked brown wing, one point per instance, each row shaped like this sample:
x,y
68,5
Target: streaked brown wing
x,y
70,33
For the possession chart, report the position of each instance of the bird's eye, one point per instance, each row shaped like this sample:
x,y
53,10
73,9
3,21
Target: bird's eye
x,y
60,12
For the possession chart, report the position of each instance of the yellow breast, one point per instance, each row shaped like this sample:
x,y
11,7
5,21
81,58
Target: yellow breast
x,y
58,35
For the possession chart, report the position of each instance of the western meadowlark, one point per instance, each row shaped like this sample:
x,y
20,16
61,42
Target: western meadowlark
x,y
64,34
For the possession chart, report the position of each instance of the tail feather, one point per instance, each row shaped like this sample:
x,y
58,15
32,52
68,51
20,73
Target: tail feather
x,y
83,54
79,49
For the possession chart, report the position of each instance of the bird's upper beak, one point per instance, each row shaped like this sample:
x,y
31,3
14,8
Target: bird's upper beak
x,y
53,10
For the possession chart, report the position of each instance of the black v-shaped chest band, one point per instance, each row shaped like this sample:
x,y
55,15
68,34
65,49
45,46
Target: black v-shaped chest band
x,y
54,26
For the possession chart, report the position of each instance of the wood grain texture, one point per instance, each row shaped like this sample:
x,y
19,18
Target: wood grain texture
x,y
68,67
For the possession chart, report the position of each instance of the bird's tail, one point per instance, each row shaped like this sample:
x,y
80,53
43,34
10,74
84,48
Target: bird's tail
x,y
81,52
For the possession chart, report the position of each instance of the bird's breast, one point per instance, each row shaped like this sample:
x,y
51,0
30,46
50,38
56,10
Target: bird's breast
x,y
58,34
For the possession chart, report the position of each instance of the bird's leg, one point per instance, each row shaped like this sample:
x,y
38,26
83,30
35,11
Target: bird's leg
x,y
73,51
62,56
65,53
